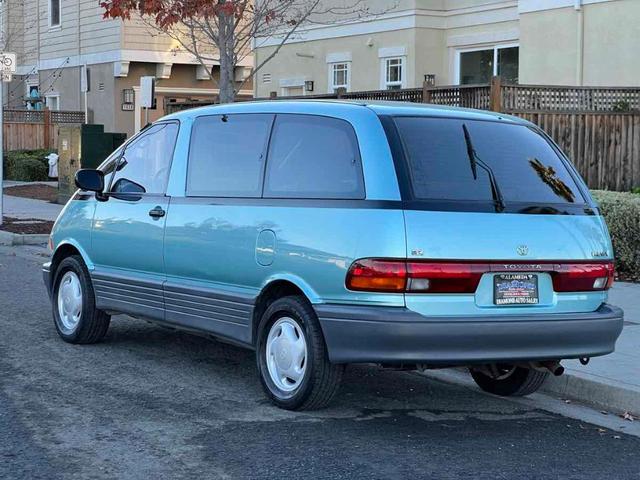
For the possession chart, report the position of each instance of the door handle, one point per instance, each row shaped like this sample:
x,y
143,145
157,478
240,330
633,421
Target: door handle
x,y
157,212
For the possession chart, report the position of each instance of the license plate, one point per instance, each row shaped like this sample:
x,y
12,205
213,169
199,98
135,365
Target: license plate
x,y
515,289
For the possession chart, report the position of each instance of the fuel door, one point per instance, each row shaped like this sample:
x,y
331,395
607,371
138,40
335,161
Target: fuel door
x,y
265,247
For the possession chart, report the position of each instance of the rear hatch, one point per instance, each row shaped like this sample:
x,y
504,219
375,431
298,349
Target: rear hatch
x,y
497,220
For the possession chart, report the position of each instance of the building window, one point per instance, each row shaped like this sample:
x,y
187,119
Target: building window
x,y
52,102
54,13
293,91
478,66
339,76
393,73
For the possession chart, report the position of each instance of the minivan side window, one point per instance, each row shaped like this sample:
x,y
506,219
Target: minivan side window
x,y
146,163
313,157
226,157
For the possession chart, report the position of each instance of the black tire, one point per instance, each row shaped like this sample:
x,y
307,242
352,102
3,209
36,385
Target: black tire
x,y
522,381
321,378
93,323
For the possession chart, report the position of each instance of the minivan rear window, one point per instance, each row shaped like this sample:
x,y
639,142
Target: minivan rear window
x,y
525,166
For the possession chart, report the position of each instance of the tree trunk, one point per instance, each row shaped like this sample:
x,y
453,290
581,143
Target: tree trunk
x,y
227,58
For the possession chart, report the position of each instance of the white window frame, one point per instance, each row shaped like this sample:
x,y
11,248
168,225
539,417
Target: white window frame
x,y
49,96
54,26
296,82
31,82
495,47
332,69
384,66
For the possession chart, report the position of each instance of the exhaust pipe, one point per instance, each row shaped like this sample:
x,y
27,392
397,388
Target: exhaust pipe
x,y
554,367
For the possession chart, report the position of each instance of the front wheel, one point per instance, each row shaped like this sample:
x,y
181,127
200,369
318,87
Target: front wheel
x,y
75,315
292,359
508,380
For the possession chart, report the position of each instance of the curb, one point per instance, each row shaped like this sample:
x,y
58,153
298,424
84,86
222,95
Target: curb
x,y
602,395
605,394
12,239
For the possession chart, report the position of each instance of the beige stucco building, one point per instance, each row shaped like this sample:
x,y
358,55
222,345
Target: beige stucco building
x,y
562,42
57,39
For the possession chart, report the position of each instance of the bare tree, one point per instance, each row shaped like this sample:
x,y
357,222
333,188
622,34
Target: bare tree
x,y
222,31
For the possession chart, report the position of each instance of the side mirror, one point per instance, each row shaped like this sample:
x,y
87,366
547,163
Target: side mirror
x,y
90,180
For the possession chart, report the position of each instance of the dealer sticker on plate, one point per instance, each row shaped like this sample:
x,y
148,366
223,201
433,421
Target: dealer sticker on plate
x,y
515,289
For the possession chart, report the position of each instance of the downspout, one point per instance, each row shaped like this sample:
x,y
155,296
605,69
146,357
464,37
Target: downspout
x,y
37,53
80,95
579,42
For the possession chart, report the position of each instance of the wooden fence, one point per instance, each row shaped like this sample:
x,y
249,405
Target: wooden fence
x,y
35,129
569,99
604,147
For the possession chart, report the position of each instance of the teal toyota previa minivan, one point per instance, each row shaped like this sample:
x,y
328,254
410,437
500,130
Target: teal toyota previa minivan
x,y
324,233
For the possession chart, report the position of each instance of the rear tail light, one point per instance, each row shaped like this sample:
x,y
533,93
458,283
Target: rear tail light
x,y
444,277
583,277
377,276
399,276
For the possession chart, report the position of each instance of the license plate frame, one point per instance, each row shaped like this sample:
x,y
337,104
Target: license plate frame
x,y
515,288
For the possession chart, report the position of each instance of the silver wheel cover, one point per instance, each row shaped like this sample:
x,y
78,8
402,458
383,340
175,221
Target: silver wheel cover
x,y
286,354
69,302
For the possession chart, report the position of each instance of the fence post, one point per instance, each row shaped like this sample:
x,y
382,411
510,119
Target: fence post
x,y
495,102
47,128
426,92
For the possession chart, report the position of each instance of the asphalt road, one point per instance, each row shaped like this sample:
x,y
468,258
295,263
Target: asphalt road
x,y
155,403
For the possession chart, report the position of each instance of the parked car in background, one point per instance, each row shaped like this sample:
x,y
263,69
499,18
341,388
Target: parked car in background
x,y
327,233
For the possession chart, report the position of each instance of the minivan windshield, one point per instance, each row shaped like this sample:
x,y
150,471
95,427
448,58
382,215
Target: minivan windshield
x,y
444,153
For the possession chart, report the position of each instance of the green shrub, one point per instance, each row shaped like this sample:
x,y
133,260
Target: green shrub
x,y
26,165
30,170
621,211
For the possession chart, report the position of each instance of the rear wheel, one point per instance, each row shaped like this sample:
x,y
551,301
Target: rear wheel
x,y
508,380
292,358
75,315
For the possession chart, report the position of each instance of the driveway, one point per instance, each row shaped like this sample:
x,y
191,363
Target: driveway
x,y
150,402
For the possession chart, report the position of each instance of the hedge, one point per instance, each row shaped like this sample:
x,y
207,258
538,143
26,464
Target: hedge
x,y
26,165
621,211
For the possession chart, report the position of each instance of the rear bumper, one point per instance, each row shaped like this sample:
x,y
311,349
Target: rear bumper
x,y
356,334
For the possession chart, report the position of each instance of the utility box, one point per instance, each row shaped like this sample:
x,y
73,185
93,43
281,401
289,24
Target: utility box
x,y
82,146
68,161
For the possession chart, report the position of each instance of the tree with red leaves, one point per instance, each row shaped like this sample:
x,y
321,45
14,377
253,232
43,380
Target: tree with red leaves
x,y
221,32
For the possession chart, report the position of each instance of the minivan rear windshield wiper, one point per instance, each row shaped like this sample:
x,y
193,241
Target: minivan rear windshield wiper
x,y
475,162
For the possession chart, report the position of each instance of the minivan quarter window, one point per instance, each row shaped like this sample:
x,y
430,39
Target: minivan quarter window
x,y
313,157
226,157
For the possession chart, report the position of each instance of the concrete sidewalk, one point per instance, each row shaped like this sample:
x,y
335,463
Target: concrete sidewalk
x,y
18,183
18,207
612,381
